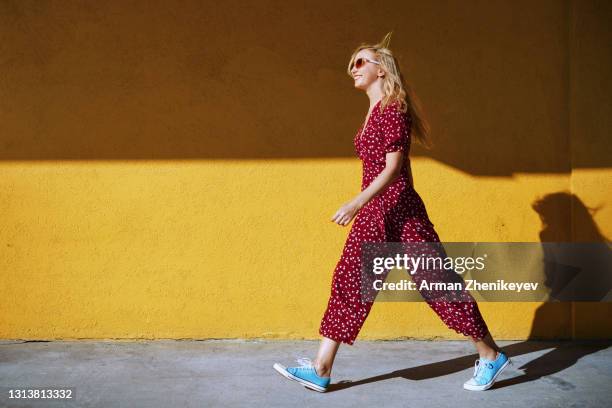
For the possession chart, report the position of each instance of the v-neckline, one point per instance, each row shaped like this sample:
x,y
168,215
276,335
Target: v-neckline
x,y
367,121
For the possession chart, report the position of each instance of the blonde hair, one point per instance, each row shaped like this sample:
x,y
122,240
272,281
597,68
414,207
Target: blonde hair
x,y
396,89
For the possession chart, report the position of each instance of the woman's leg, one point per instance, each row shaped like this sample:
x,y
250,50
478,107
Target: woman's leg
x,y
347,307
459,311
486,347
325,356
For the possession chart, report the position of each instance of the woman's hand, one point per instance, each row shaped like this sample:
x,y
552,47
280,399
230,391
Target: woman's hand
x,y
346,213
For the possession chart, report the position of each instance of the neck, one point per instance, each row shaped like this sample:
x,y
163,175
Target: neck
x,y
375,93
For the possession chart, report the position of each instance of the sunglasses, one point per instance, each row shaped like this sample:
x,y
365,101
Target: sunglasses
x,y
360,62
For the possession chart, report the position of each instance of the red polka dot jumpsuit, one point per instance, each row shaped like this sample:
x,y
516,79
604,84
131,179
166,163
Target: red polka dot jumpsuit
x,y
397,214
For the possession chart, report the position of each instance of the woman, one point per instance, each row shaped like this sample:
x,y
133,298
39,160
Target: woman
x,y
387,209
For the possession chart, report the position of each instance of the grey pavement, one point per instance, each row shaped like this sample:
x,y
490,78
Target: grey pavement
x,y
238,373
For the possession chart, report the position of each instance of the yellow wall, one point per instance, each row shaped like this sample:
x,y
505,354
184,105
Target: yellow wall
x,y
171,172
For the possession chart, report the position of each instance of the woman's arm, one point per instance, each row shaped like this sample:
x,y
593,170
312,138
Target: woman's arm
x,y
395,129
391,171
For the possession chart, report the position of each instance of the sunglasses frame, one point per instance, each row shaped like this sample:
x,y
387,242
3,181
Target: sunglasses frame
x,y
354,65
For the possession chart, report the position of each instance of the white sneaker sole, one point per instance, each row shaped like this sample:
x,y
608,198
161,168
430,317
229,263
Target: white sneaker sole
x,y
283,371
490,384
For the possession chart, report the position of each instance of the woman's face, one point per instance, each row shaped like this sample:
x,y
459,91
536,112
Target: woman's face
x,y
368,73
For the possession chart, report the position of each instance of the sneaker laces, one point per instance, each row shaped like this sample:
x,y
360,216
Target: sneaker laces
x,y
479,367
305,362
476,368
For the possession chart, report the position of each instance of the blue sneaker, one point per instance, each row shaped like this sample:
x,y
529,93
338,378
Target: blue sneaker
x,y
305,375
486,371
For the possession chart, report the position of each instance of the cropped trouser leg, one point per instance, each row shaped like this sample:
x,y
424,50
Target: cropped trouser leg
x,y
347,311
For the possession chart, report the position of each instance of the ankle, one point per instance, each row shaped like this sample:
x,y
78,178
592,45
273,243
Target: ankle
x,y
490,355
322,370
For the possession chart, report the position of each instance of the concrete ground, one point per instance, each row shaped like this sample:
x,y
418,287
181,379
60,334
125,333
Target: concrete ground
x,y
232,373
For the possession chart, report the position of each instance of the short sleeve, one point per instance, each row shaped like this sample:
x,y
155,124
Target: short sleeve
x,y
395,128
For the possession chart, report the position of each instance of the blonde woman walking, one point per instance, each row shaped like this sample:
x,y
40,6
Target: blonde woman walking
x,y
388,209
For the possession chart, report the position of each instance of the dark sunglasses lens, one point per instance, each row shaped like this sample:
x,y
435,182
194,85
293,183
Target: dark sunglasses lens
x,y
359,63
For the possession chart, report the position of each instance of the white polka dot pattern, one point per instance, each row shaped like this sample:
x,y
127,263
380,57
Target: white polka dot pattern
x,y
397,214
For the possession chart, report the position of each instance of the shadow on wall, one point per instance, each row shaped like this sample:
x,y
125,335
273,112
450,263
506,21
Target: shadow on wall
x,y
113,81
563,214
565,218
